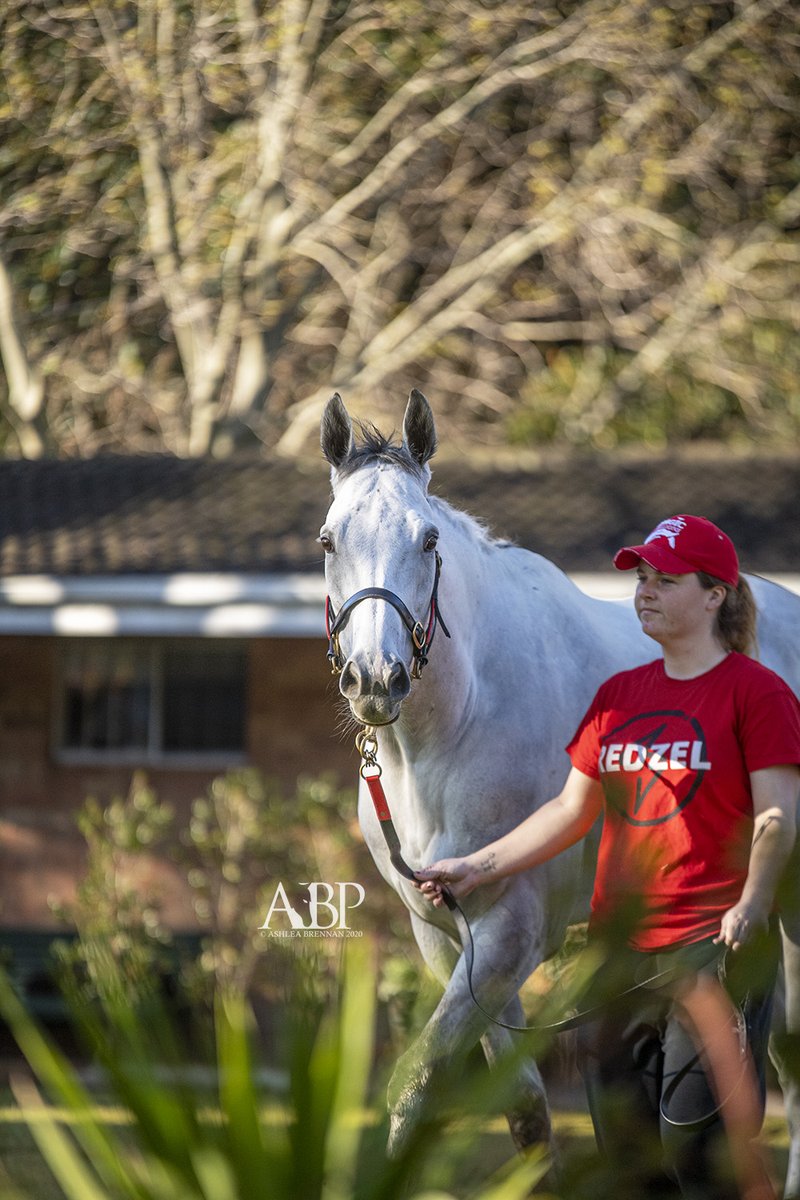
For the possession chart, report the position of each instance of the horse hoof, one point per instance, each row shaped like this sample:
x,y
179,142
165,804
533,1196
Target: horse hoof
x,y
530,1127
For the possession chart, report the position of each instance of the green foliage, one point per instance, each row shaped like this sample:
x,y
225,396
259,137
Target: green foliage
x,y
243,836
409,995
223,1142
116,924
580,398
239,838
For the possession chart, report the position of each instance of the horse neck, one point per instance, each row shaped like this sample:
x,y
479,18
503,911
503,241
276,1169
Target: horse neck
x,y
490,599
443,700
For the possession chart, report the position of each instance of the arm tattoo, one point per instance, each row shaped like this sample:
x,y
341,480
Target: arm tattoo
x,y
763,828
487,864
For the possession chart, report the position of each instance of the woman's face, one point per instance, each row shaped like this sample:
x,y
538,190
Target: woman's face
x,y
673,607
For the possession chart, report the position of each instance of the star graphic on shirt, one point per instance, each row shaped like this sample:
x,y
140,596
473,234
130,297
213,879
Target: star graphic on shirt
x,y
655,774
631,786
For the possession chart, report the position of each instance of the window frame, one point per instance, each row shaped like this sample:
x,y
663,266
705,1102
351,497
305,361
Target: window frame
x,y
153,755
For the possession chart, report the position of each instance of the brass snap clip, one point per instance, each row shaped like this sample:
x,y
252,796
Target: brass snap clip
x,y
367,747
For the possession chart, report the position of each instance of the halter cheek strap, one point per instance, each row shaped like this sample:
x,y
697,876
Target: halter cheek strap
x,y
421,635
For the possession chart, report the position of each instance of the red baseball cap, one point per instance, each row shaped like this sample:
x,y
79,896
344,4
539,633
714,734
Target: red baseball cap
x,y
681,545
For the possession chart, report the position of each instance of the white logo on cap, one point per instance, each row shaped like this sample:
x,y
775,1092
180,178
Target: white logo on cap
x,y
669,529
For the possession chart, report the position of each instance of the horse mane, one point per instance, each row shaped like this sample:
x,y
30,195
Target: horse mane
x,y
470,525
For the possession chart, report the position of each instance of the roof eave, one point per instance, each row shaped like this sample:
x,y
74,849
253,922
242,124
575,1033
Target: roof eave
x,y
221,605
177,605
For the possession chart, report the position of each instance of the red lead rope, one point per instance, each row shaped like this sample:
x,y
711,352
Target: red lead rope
x,y
367,746
378,795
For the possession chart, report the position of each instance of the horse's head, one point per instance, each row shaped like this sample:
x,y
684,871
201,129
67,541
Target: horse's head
x,y
381,562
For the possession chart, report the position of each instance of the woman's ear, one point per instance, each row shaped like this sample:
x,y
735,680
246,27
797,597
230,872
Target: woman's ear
x,y
716,597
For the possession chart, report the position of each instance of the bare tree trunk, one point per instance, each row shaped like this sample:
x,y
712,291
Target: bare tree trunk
x,y
25,383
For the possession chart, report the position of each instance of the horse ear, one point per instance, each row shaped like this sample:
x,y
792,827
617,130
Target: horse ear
x,y
419,431
336,431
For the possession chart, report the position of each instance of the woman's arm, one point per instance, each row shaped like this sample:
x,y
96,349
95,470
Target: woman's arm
x,y
552,828
776,791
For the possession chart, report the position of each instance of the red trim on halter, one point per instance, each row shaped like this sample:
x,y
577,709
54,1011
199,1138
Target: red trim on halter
x,y
431,624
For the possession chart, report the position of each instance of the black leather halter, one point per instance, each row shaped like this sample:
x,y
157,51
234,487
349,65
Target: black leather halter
x,y
421,635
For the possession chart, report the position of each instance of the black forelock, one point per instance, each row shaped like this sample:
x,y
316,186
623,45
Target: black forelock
x,y
373,447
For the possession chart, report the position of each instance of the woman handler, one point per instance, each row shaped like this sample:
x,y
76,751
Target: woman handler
x,y
693,759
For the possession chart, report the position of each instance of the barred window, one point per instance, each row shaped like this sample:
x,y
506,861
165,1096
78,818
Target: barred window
x,y
150,700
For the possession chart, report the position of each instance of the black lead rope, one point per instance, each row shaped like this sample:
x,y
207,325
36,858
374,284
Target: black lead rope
x,y
670,1090
655,982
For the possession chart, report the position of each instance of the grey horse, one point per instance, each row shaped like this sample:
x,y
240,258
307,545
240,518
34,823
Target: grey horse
x,y
478,743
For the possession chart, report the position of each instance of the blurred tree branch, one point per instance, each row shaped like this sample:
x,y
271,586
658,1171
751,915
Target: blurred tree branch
x,y
213,217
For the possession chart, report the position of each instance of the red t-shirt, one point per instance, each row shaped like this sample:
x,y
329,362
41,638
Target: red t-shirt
x,y
674,757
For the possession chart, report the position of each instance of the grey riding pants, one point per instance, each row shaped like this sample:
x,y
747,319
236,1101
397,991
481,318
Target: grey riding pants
x,y
655,1113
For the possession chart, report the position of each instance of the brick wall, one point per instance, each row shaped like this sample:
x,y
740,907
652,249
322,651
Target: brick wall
x,y
291,730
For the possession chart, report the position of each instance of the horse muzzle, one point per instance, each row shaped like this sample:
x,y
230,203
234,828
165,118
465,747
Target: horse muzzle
x,y
375,698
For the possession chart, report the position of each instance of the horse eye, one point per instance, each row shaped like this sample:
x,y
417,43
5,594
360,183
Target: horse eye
x,y
431,541
326,541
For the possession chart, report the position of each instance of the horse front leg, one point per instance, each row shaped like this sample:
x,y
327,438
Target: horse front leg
x,y
503,960
529,1114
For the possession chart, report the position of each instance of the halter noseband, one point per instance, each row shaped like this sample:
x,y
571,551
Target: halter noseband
x,y
421,635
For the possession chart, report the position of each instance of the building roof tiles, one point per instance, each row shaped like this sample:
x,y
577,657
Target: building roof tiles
x,y
155,514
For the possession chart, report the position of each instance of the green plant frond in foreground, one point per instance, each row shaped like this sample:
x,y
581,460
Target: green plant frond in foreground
x,y
211,1142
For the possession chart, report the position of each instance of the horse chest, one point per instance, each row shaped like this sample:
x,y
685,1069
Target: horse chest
x,y
444,806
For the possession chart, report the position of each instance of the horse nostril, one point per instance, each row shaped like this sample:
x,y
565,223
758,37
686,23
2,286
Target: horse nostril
x,y
399,682
350,681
